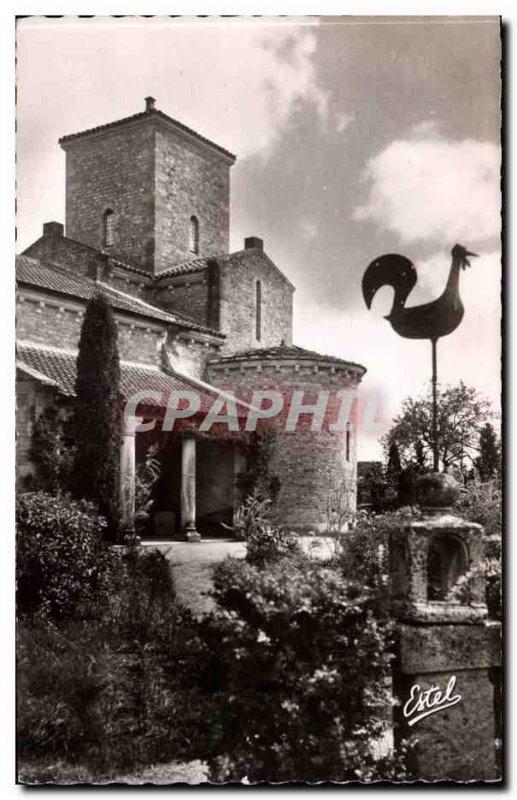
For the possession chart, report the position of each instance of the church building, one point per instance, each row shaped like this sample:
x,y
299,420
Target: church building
x,y
147,224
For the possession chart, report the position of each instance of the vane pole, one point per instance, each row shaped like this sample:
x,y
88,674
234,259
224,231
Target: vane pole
x,y
435,408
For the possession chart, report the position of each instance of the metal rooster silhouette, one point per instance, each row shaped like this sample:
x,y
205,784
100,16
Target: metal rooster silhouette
x,y
428,321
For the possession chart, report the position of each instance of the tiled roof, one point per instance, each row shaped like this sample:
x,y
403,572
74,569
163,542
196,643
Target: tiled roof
x,y
142,115
56,279
284,352
59,366
193,265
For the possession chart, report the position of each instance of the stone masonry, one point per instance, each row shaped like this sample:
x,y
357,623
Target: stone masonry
x,y
153,174
193,314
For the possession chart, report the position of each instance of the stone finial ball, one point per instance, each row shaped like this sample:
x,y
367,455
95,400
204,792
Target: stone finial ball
x,y
436,490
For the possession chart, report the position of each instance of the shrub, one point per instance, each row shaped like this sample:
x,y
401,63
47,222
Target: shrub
x,y
63,566
481,503
92,697
268,543
106,696
52,448
265,541
295,672
362,553
146,475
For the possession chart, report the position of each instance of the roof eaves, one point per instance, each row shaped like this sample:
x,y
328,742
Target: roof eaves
x,y
154,114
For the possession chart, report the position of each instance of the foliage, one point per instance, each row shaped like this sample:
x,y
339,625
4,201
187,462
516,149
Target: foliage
x,y
258,478
295,672
338,509
371,485
106,695
488,463
490,570
253,512
62,560
92,696
266,542
461,414
363,553
393,467
96,411
481,503
52,448
147,474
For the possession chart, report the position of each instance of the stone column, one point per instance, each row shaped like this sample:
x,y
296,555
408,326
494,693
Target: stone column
x,y
127,470
188,490
239,465
446,648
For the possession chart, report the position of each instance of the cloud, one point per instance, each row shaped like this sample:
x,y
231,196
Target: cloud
x,y
435,189
399,368
235,81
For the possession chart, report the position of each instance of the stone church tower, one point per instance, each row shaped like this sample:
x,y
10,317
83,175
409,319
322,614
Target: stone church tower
x,y
147,223
148,190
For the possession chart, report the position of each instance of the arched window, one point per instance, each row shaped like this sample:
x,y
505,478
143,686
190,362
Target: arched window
x,y
258,311
446,562
193,235
109,227
348,439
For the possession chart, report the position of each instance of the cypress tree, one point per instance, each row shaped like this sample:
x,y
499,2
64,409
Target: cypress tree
x,y
96,411
488,462
394,467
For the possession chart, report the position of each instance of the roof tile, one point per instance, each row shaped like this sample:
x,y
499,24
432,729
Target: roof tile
x,y
57,279
60,367
142,115
284,352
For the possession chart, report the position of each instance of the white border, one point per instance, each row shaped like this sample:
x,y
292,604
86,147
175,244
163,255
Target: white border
x,y
166,7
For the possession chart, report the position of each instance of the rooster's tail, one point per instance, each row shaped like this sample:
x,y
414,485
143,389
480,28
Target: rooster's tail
x,y
390,270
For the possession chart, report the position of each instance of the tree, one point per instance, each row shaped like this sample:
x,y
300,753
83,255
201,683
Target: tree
x,y
489,461
52,448
394,467
96,411
461,415
371,486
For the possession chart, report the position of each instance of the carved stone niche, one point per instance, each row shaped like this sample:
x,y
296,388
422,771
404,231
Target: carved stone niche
x,y
427,557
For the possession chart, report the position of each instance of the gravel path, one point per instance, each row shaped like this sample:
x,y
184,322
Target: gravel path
x,y
192,566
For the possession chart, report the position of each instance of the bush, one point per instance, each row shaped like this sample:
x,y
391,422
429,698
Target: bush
x,y
106,696
52,448
265,541
295,671
63,566
481,503
91,697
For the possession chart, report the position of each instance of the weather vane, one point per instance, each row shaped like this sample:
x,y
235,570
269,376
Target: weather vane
x,y
428,321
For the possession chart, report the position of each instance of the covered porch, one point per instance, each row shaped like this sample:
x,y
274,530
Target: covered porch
x,y
198,487
197,491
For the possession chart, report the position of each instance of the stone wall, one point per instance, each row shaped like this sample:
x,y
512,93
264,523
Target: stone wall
x,y
186,295
113,169
80,259
237,302
311,465
154,180
48,323
456,743
189,353
31,399
190,181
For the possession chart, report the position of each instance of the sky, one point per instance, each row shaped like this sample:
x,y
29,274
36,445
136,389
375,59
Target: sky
x,y
354,138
